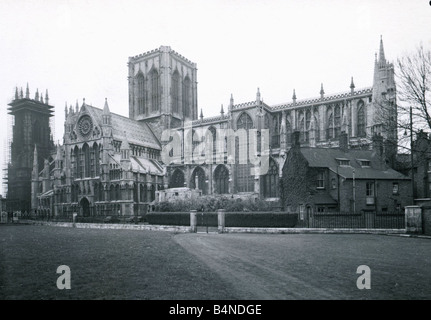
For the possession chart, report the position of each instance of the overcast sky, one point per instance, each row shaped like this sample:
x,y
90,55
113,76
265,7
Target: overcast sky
x,y
79,49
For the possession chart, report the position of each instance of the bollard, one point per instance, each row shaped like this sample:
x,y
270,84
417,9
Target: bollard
x,y
220,216
193,225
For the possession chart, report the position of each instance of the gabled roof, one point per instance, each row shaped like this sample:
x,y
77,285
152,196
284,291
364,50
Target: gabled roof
x,y
327,158
138,132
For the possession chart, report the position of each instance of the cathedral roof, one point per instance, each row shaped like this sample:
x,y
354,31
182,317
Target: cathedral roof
x,y
137,132
141,164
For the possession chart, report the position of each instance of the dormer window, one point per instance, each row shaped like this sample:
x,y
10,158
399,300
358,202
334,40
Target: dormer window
x,y
364,163
343,162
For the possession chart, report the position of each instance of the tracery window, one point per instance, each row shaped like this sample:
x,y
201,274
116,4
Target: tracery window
x,y
244,179
176,92
361,120
221,179
141,93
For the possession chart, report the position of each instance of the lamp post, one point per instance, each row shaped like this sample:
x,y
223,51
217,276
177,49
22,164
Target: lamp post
x,y
411,153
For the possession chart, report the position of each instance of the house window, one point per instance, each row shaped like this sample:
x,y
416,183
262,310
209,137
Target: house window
x,y
370,189
321,180
370,193
395,188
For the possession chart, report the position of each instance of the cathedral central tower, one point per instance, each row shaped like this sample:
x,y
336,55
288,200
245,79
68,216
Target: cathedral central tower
x,y
162,89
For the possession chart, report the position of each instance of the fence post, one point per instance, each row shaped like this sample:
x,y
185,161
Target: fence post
x,y
221,216
193,225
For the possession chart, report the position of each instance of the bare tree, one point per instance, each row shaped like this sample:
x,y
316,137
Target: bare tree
x,y
413,80
413,75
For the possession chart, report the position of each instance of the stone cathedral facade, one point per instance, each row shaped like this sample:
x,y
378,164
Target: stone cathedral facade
x,y
110,164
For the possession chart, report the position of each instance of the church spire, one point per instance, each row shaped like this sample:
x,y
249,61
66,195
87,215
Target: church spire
x,y
382,59
322,92
221,110
202,115
352,86
106,115
258,95
294,96
27,92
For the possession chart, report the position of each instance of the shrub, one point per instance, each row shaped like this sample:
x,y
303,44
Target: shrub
x,y
213,203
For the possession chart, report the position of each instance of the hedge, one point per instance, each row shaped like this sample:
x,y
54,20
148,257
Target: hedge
x,y
232,219
261,219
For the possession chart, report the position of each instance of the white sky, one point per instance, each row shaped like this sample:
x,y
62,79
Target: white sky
x,y
79,49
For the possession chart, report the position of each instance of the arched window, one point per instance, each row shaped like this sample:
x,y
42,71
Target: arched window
x,y
140,81
288,132
244,122
302,128
244,180
316,129
270,181
175,95
155,94
36,132
177,179
96,161
86,156
187,94
145,192
212,134
101,192
78,167
142,193
330,124
221,180
198,181
361,119
153,192
112,193
275,134
307,126
96,192
135,193
117,192
337,121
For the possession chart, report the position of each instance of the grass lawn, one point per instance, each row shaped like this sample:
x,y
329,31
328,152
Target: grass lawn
x,y
130,264
104,264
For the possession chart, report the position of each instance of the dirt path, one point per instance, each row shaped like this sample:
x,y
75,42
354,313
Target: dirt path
x,y
256,271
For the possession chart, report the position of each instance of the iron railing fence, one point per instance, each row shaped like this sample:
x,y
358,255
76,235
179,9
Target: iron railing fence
x,y
362,220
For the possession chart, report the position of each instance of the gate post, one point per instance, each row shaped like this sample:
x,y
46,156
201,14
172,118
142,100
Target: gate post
x,y
221,216
413,216
193,225
74,219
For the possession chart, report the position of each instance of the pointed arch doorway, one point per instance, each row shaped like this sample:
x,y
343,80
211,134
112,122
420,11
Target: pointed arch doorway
x,y
85,207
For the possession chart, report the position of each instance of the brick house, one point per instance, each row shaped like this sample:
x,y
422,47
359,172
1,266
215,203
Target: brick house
x,y
341,179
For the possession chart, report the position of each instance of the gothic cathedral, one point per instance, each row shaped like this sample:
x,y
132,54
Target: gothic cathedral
x,y
112,164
